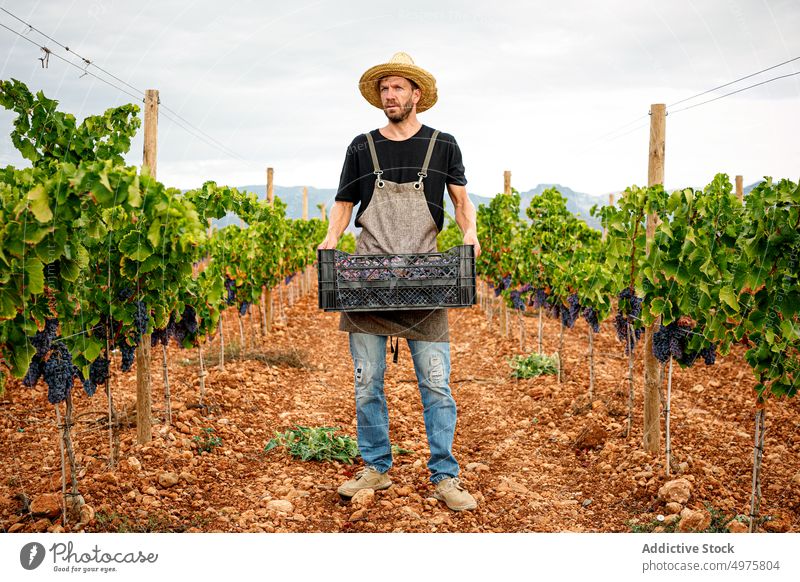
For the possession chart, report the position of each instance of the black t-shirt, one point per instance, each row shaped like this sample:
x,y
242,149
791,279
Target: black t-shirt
x,y
400,162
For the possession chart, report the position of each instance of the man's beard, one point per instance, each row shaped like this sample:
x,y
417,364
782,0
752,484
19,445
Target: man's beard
x,y
403,111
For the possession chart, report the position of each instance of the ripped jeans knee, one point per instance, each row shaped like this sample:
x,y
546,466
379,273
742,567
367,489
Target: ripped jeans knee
x,y
368,378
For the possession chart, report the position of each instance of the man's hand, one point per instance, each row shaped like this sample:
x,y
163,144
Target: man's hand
x,y
472,239
330,242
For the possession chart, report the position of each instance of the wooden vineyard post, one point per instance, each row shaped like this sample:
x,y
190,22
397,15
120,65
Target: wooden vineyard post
x,y
303,275
591,364
739,189
262,312
143,393
221,342
267,293
270,186
268,309
253,327
655,175
667,417
323,212
560,352
167,398
541,329
503,308
758,454
281,314
242,347
503,318
202,374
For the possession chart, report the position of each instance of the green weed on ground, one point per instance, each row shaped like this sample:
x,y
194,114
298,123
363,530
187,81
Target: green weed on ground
x,y
208,441
320,444
533,365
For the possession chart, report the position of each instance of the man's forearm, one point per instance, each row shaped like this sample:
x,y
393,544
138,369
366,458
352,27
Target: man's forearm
x,y
339,218
466,218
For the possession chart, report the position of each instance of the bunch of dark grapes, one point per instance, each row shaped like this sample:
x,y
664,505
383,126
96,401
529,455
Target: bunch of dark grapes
x,y
98,374
58,373
140,319
668,342
590,315
570,313
180,330
189,319
100,329
504,284
243,308
42,340
525,288
539,298
98,370
517,301
187,325
553,309
159,336
88,386
288,279
709,354
35,371
672,340
230,287
128,355
125,293
629,310
688,358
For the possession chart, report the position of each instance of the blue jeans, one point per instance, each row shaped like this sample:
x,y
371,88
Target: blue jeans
x,y
432,367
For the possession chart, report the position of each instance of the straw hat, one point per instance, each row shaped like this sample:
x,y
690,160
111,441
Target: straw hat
x,y
401,65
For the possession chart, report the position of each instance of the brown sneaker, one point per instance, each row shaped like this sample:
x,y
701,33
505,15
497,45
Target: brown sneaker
x,y
454,495
366,478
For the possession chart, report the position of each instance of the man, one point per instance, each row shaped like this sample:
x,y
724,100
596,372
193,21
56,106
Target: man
x,y
397,174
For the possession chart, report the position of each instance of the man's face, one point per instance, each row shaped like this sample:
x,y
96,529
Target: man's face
x,y
398,97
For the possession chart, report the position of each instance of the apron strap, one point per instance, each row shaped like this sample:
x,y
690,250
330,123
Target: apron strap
x,y
394,347
424,172
375,164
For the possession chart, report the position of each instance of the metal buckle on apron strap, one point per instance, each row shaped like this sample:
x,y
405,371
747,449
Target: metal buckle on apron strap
x,y
380,183
418,183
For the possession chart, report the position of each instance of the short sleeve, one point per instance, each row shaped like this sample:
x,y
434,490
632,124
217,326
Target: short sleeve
x,y
349,190
455,165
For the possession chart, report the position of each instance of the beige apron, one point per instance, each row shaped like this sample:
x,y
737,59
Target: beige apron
x,y
398,221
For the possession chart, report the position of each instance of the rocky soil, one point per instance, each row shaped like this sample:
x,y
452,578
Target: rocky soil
x,y
537,454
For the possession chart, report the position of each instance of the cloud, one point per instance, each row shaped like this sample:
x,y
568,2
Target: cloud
x,y
525,86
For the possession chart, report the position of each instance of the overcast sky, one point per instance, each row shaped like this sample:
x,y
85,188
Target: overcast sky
x,y
547,90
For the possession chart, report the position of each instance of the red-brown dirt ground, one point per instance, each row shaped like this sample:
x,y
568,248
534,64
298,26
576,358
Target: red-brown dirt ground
x,y
538,456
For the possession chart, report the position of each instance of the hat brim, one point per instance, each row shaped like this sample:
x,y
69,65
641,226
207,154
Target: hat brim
x,y
368,84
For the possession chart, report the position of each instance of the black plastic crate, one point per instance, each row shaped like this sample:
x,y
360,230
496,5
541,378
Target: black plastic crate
x,y
396,282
